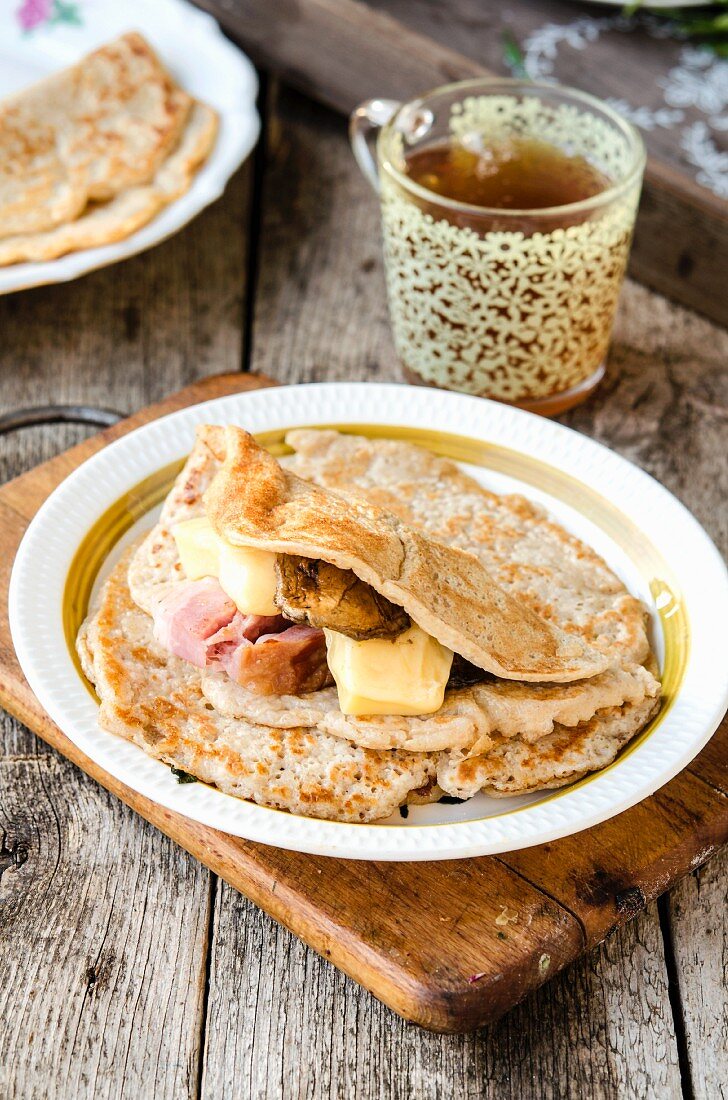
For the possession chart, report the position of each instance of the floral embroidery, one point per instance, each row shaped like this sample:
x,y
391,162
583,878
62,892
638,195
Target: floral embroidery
x,y
646,118
699,81
37,13
702,152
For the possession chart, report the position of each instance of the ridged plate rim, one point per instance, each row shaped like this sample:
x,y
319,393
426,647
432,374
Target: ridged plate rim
x,y
697,577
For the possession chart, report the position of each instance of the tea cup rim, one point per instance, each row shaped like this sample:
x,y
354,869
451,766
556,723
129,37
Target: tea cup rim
x,y
602,198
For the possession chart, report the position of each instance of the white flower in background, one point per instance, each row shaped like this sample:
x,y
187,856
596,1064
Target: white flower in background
x,y
702,153
645,117
700,79
541,48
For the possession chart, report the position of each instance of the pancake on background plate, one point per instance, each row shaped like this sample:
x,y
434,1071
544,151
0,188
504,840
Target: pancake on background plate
x,y
362,625
90,154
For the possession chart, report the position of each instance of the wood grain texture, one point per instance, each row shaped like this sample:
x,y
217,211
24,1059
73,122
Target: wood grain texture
x,y
320,311
699,938
339,51
103,921
629,859
297,1027
103,924
281,1020
130,333
664,402
344,51
425,938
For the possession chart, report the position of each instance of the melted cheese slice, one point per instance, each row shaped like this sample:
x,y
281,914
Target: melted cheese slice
x,y
246,575
198,547
406,675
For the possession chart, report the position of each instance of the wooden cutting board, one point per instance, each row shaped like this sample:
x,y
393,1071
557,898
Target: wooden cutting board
x,y
449,945
345,51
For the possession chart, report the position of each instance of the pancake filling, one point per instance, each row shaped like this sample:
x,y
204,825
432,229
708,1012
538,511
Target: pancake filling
x,y
281,624
266,654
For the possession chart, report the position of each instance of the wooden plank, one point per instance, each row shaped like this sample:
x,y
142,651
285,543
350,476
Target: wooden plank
x,y
320,309
628,859
339,51
344,51
136,330
103,924
699,938
663,403
128,334
283,1022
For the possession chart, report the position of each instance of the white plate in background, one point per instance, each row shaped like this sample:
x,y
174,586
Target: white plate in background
x,y
202,60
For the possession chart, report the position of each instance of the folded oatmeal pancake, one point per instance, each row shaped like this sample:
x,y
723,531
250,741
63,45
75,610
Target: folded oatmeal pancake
x,y
156,701
90,154
371,509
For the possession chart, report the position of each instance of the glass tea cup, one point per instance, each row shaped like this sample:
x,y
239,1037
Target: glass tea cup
x,y
512,304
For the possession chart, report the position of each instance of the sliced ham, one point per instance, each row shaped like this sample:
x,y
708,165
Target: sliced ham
x,y
264,653
290,663
243,628
191,614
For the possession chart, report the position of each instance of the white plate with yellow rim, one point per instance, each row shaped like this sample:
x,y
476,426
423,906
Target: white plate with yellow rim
x,y
38,37
642,531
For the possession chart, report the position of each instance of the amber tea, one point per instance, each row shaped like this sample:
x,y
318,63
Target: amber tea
x,y
507,214
516,174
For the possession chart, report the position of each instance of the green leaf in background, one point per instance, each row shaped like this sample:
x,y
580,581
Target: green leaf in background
x,y
65,12
513,56
706,25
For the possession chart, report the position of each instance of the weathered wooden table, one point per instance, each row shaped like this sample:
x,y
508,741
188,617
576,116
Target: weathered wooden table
x,y
127,969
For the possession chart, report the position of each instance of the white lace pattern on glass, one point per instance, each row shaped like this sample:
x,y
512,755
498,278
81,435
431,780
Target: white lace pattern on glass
x,y
501,313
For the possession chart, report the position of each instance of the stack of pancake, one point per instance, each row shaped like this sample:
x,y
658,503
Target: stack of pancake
x,y
551,671
92,153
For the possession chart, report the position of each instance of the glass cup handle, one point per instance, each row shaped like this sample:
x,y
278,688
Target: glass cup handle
x,y
369,116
